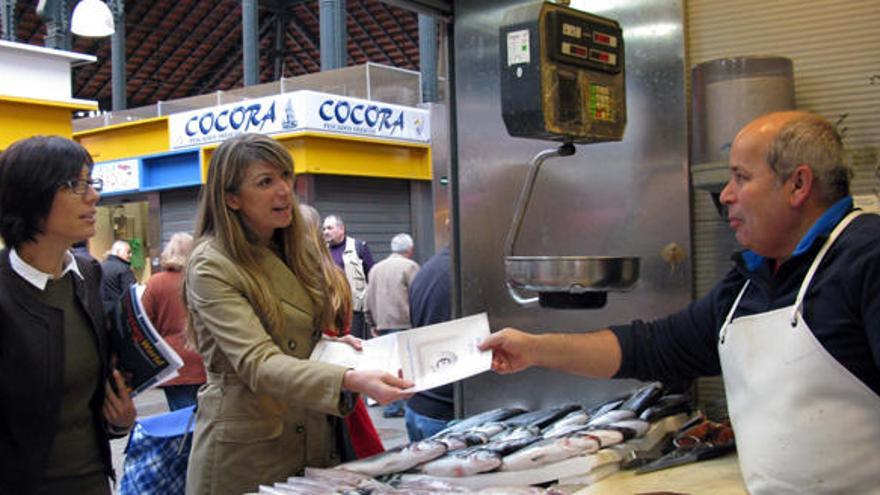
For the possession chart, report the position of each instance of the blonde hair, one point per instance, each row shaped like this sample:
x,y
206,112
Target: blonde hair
x,y
296,247
176,252
341,305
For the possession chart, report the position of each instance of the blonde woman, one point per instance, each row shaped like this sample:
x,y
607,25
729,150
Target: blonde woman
x,y
163,301
259,296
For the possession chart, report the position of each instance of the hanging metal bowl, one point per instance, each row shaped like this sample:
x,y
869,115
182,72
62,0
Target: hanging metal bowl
x,y
572,274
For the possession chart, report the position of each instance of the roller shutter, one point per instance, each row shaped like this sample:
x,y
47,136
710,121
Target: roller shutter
x,y
178,211
374,210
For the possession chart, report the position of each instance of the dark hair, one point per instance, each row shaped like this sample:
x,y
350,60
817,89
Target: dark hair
x,y
31,172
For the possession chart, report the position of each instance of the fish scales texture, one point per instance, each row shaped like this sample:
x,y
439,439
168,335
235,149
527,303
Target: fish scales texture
x,y
398,459
477,459
605,407
551,450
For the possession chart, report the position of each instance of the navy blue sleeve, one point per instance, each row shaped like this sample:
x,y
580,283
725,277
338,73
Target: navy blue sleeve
x,y
366,257
681,346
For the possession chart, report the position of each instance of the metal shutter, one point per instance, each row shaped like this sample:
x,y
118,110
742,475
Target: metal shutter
x,y
835,47
178,211
374,210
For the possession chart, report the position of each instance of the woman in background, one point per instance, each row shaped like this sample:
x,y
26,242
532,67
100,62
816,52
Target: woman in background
x,y
259,297
57,405
361,432
163,302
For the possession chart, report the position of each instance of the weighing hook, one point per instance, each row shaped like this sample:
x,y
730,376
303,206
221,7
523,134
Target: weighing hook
x,y
565,149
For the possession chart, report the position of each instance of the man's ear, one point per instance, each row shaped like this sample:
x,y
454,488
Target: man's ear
x,y
802,183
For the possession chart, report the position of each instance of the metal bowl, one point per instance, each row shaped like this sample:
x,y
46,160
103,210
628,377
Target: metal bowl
x,y
573,274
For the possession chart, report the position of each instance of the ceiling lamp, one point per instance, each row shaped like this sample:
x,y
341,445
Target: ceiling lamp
x,y
92,18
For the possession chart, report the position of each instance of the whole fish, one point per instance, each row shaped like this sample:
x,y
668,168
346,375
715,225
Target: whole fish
x,y
516,432
541,418
574,418
668,405
490,416
551,450
607,437
605,407
398,459
473,460
462,463
611,417
643,398
638,426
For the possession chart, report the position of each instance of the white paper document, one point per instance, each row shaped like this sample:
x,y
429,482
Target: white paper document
x,y
427,356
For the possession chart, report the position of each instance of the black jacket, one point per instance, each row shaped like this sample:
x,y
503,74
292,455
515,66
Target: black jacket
x,y
116,279
32,374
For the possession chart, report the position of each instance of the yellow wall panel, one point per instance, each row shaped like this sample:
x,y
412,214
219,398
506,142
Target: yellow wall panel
x,y
131,139
23,117
363,157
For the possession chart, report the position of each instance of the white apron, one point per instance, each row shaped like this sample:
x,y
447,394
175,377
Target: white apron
x,y
804,424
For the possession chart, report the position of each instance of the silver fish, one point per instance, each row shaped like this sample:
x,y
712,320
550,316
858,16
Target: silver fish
x,y
465,463
490,416
477,459
611,417
643,398
516,433
607,437
574,418
636,425
398,459
541,418
551,450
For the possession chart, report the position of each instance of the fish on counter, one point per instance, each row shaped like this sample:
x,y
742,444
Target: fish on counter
x,y
552,450
474,460
637,426
611,417
643,398
604,407
575,418
491,416
397,460
541,418
668,405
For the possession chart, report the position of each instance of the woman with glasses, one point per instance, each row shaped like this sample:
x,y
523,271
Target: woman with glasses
x,y
260,293
60,400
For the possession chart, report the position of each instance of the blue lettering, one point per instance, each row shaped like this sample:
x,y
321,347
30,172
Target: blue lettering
x,y
206,123
269,116
188,130
371,115
236,118
340,117
397,123
322,112
220,123
354,117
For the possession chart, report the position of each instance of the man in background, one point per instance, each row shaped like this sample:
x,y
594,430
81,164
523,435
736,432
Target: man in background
x,y
116,274
430,301
387,299
354,257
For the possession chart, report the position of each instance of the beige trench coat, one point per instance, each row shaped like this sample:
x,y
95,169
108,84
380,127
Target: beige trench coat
x,y
262,415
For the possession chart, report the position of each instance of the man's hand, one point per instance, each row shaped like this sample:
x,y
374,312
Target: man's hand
x,y
381,386
512,350
118,409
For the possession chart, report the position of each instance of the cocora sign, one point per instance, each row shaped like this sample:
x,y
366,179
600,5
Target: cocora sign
x,y
300,110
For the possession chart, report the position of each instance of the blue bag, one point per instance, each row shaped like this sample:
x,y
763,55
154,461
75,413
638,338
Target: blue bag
x,y
157,454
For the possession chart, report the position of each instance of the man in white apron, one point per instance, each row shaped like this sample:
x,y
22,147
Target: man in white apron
x,y
794,326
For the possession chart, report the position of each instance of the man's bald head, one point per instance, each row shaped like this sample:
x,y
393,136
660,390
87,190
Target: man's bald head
x,y
789,139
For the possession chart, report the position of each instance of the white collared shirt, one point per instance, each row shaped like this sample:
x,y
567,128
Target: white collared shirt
x,y
37,278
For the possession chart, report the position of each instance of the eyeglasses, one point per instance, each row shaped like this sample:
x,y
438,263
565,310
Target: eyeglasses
x,y
81,186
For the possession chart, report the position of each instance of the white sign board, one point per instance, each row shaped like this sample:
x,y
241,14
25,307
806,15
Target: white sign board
x,y
119,175
299,111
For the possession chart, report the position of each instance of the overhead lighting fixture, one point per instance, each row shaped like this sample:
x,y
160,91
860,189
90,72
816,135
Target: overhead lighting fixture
x,y
92,18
